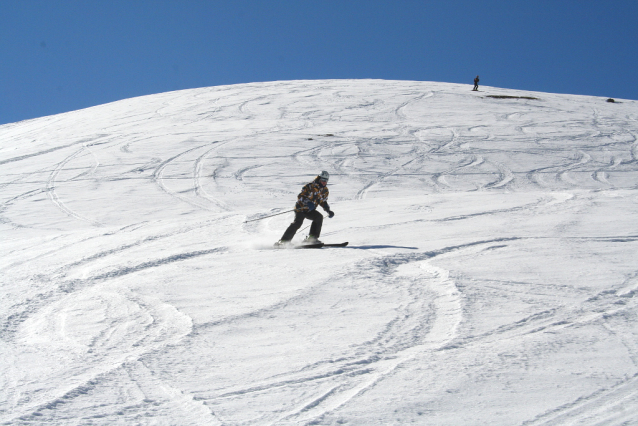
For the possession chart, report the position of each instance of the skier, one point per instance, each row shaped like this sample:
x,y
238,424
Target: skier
x,y
476,81
312,195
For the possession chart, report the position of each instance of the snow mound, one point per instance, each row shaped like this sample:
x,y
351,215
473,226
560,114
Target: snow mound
x,y
491,276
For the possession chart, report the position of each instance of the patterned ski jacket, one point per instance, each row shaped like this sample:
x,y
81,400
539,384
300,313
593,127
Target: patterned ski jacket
x,y
314,192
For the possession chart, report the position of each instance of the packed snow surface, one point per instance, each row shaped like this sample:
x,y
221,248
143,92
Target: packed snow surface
x,y
491,276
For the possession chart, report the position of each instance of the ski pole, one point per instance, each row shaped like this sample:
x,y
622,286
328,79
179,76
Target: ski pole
x,y
266,217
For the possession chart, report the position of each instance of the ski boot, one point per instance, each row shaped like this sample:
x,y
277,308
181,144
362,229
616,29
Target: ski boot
x,y
311,239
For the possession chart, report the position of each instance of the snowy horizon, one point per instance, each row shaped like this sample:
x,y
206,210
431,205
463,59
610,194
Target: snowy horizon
x,y
490,278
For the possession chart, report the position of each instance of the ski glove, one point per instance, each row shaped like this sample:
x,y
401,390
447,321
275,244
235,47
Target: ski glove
x,y
330,214
310,205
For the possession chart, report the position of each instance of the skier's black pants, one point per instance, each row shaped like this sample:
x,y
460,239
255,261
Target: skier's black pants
x,y
315,228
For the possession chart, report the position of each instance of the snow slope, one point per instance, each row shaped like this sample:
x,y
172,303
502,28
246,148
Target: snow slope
x,y
491,277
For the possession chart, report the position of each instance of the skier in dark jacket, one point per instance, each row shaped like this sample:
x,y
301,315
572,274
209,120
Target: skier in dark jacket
x,y
476,81
312,195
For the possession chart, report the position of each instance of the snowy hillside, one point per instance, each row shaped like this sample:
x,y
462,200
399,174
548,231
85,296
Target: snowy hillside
x,y
491,276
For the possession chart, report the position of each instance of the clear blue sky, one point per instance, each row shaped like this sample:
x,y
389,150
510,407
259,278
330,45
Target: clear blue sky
x,y
63,55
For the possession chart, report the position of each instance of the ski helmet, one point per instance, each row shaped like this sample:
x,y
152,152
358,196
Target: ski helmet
x,y
324,175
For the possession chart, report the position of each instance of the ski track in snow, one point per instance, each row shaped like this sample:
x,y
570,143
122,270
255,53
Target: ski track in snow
x,y
407,335
153,324
52,192
159,178
490,261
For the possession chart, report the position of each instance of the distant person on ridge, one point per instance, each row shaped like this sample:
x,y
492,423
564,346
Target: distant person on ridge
x,y
476,80
312,195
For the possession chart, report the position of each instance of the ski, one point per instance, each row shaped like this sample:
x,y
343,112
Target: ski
x,y
299,246
309,246
336,245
